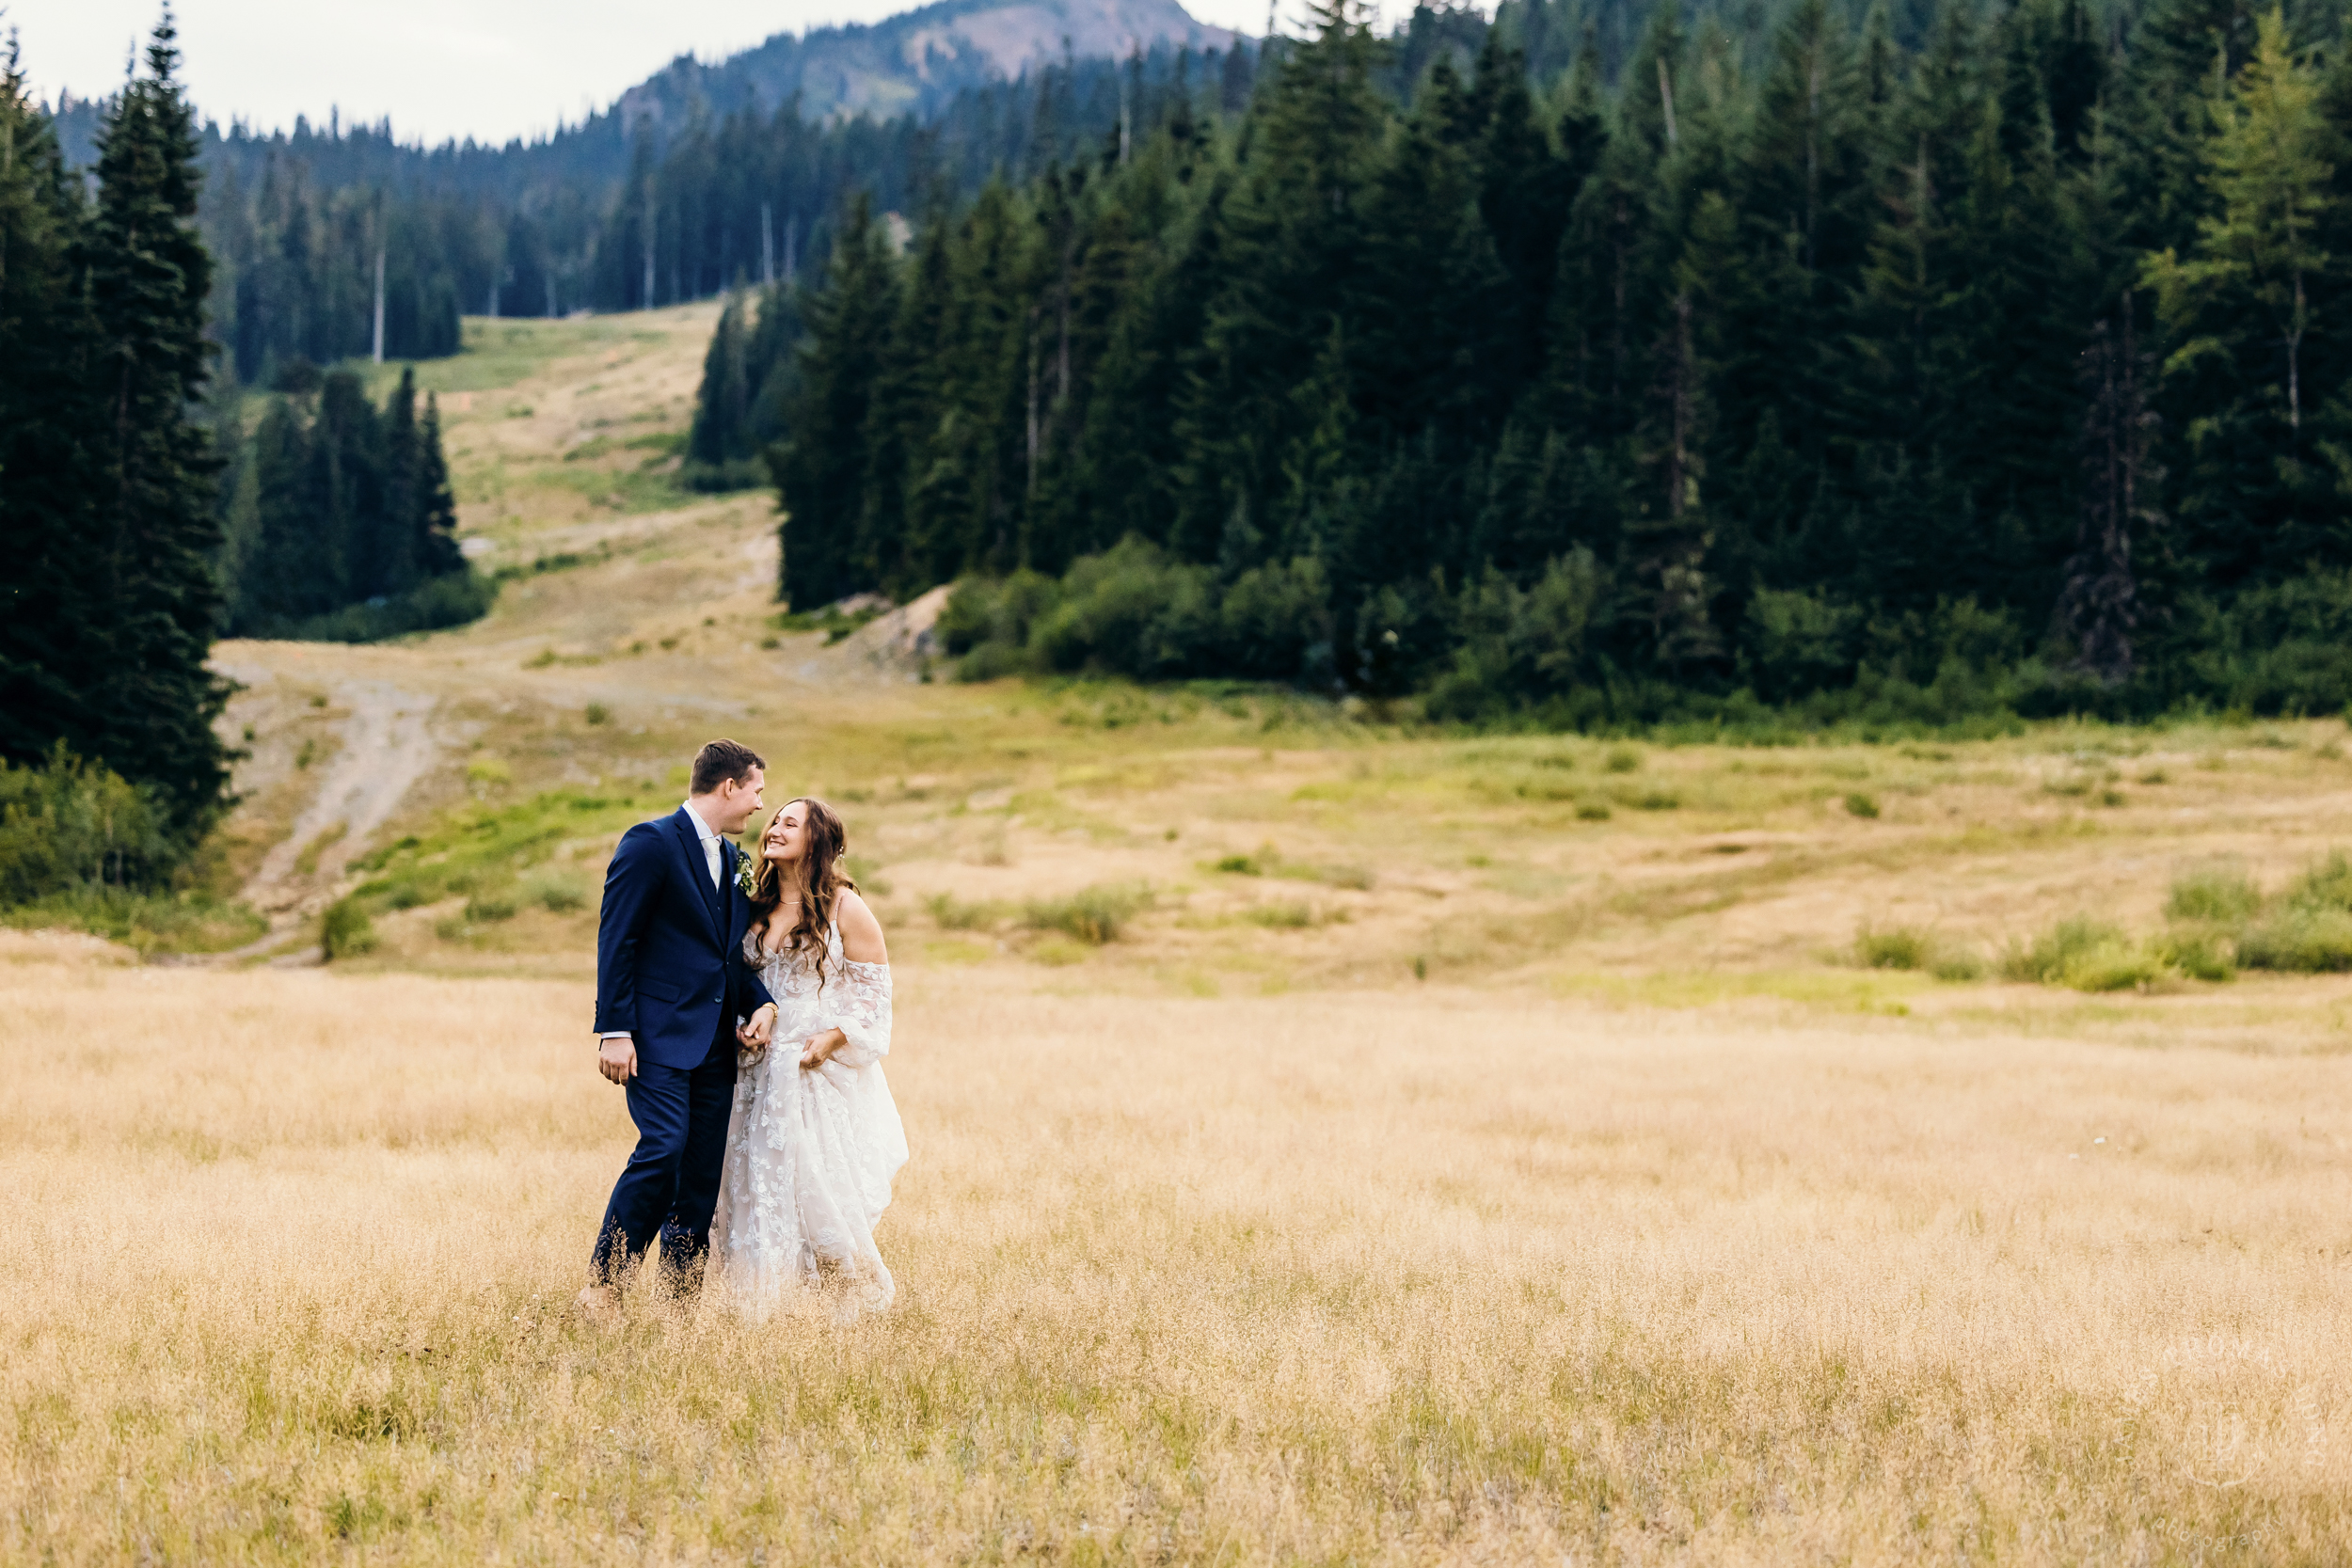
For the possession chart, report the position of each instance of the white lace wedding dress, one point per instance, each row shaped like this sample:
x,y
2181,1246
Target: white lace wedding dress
x,y
811,1151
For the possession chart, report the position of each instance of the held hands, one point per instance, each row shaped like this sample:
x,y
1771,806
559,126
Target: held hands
x,y
753,1034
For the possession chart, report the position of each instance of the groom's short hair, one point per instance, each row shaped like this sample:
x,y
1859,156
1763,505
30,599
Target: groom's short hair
x,y
723,762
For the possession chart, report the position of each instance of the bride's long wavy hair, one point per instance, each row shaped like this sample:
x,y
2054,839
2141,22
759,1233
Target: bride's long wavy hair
x,y
816,877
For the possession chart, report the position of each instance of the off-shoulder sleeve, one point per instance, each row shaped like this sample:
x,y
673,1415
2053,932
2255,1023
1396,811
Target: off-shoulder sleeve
x,y
857,1003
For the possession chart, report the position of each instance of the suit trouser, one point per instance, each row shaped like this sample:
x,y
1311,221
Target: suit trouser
x,y
670,1187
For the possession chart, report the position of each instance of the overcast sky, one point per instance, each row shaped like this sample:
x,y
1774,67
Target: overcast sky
x,y
485,69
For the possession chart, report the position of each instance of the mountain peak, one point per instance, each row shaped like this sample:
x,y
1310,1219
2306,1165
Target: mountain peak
x,y
913,62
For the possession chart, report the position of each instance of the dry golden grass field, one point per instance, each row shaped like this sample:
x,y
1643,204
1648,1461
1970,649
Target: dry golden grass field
x,y
1333,1141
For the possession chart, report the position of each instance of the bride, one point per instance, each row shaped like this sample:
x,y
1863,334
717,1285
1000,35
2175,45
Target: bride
x,y
814,1137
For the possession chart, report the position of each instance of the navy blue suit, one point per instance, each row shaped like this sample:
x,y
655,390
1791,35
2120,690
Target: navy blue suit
x,y
670,971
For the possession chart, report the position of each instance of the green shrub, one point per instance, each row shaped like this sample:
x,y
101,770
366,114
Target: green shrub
x,y
1957,964
444,601
2046,958
2220,893
1862,805
1294,915
148,922
2115,966
1892,947
1240,865
1094,914
2091,955
2198,954
483,907
1623,759
346,930
67,824
954,915
1592,810
2299,941
556,890
2323,885
1914,947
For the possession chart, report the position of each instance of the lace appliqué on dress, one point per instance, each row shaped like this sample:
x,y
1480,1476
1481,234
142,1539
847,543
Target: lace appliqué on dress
x,y
811,1152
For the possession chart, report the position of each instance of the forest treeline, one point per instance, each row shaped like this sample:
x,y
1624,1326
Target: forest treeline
x,y
305,224
338,521
2011,370
140,516
109,770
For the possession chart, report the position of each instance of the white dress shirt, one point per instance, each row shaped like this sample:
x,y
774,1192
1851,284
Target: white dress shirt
x,y
710,859
711,839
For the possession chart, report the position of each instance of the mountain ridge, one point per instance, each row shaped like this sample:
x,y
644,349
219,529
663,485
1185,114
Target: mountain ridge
x,y
913,62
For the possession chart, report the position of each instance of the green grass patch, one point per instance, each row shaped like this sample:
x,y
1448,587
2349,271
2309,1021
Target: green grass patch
x,y
2089,954
147,923
2299,941
952,913
1918,948
346,931
485,850
1095,915
832,620
2219,891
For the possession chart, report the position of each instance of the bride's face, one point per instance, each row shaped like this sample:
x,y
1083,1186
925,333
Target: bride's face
x,y
786,839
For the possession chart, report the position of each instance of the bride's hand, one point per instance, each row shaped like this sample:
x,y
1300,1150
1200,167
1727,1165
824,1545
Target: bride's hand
x,y
818,1051
753,1035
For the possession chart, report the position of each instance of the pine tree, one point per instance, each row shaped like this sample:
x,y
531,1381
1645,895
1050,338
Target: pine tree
x,y
292,570
821,465
153,602
2239,307
401,471
722,433
435,507
45,500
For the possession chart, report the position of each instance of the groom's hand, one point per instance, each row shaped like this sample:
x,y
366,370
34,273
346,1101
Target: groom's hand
x,y
616,1058
755,1032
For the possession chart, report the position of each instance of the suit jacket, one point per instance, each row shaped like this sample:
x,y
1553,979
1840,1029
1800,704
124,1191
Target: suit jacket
x,y
670,947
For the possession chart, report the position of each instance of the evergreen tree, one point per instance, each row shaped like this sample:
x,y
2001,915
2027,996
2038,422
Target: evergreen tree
x,y
151,601
821,465
434,510
45,416
2239,309
719,444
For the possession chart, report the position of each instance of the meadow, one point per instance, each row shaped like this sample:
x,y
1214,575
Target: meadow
x,y
1335,1139
1381,1278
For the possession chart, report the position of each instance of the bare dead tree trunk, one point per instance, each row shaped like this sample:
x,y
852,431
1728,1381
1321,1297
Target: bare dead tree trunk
x,y
1033,402
1678,410
1666,99
1812,150
2295,360
2098,605
647,303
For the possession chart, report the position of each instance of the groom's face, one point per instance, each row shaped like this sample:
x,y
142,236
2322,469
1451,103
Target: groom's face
x,y
739,802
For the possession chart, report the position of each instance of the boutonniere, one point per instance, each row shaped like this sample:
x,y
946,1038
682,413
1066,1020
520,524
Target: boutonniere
x,y
746,874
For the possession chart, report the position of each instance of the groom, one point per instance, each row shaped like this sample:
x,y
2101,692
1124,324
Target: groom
x,y
671,983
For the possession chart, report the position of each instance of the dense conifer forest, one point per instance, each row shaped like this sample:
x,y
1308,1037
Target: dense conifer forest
x,y
337,519
140,517
108,528
606,215
2003,367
